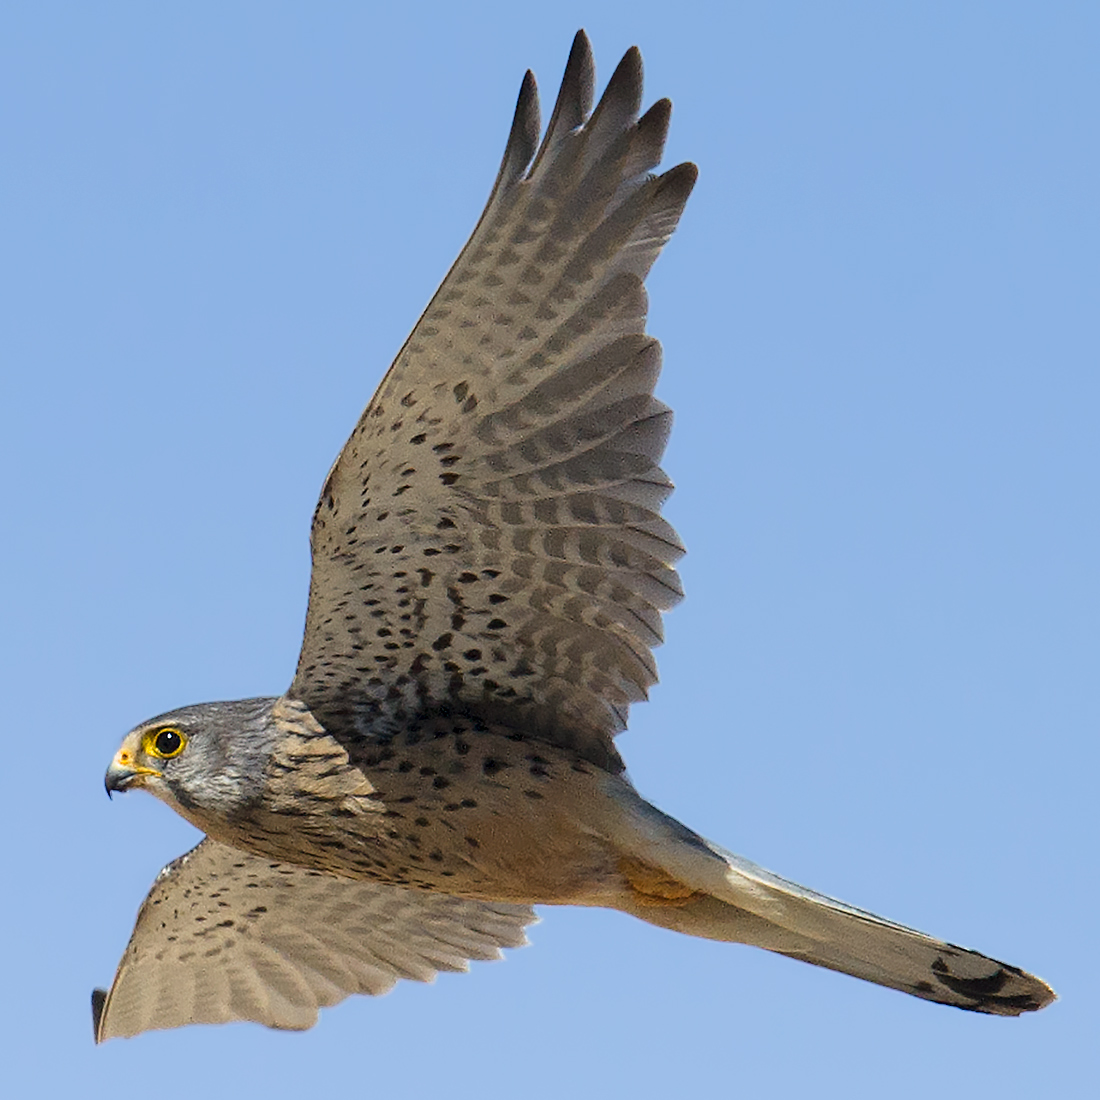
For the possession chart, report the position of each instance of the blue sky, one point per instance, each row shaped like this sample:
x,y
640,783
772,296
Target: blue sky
x,y
219,221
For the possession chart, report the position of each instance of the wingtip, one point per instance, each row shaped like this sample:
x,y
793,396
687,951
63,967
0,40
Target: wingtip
x,y
627,79
523,136
527,122
580,50
99,1003
680,180
632,61
575,97
580,74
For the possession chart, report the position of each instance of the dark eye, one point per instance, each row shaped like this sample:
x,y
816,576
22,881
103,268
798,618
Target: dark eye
x,y
168,742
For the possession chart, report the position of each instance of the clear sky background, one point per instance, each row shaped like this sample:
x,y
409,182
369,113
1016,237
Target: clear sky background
x,y
218,222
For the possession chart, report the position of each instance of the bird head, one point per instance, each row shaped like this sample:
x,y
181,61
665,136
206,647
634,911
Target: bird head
x,y
206,761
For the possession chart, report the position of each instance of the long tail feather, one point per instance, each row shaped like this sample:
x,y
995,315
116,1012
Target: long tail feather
x,y
735,900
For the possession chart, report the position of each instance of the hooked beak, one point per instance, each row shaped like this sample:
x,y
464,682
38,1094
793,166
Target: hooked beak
x,y
124,773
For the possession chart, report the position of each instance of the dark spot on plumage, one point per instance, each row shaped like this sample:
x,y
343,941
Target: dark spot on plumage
x,y
496,624
460,392
532,794
439,782
448,479
980,989
490,765
442,642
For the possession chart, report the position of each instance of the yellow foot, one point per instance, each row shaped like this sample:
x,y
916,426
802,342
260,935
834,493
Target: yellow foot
x,y
653,886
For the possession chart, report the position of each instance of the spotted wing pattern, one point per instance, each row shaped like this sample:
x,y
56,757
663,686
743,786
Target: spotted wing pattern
x,y
489,539
228,936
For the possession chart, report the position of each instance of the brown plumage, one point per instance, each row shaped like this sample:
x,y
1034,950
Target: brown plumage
x,y
489,572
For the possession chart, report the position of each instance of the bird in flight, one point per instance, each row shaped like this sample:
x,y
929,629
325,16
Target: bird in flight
x,y
490,567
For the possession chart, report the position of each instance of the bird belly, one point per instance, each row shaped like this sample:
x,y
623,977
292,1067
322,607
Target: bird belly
x,y
455,807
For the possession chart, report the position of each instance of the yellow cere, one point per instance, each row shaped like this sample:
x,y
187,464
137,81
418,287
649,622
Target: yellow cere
x,y
165,742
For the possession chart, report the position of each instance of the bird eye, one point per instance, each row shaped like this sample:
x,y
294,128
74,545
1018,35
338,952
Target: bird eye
x,y
165,743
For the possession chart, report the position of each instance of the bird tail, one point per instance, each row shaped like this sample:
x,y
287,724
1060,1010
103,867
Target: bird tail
x,y
683,882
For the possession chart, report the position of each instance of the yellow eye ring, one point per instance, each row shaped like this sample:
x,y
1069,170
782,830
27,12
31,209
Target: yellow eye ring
x,y
165,742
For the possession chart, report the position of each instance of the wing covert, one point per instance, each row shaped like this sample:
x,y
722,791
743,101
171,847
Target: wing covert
x,y
227,936
490,538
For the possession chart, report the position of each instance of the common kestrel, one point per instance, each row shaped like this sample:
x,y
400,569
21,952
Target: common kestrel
x,y
489,571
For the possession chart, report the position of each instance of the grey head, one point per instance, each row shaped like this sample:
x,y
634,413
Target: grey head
x,y
206,761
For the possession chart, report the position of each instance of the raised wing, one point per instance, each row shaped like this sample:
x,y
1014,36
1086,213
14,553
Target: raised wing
x,y
228,936
489,539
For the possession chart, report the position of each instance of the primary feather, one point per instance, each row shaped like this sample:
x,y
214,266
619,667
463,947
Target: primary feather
x,y
490,537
